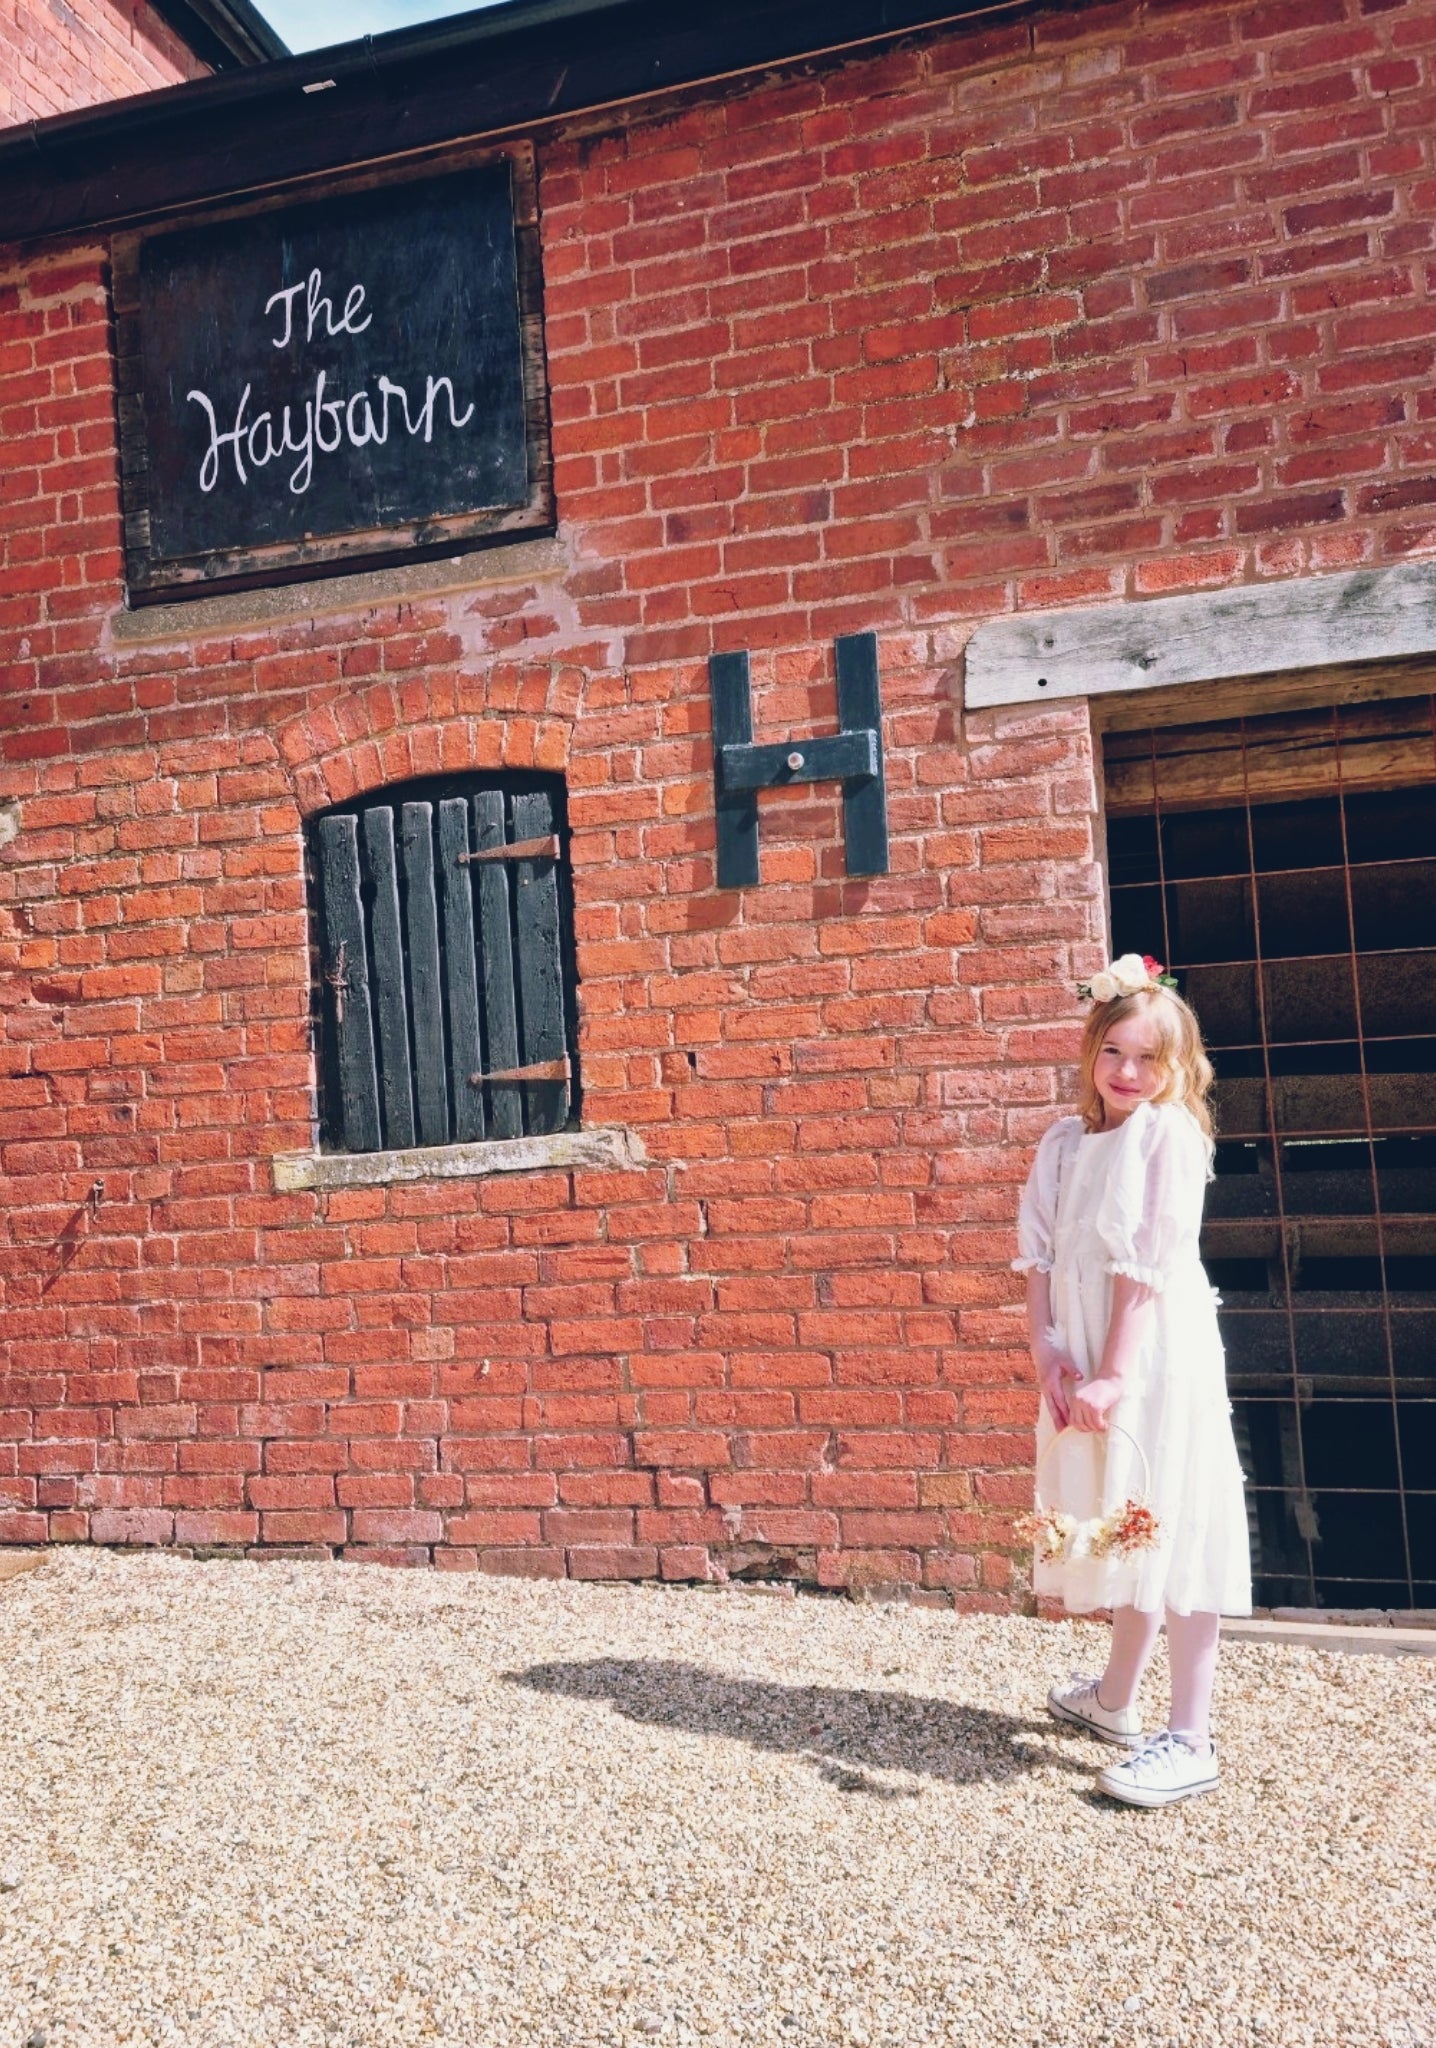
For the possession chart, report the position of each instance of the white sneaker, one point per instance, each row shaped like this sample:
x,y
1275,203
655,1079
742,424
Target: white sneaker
x,y
1163,1770
1078,1703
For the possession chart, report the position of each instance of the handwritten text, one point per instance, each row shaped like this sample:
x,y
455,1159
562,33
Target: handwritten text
x,y
321,424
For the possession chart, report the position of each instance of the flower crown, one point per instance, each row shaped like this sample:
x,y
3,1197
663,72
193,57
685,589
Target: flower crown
x,y
1133,975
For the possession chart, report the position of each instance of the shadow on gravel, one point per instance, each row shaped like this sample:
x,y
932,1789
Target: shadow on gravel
x,y
846,1733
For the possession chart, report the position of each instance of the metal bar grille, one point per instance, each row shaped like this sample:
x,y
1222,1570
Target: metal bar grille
x,y
1288,866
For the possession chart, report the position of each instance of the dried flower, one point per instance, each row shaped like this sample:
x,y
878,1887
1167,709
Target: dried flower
x,y
1128,1529
1049,1531
1059,1538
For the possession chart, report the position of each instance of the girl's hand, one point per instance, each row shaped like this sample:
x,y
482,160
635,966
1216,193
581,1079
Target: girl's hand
x,y
1091,1405
1055,1373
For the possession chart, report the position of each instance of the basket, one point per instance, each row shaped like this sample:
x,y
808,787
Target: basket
x,y
1059,1538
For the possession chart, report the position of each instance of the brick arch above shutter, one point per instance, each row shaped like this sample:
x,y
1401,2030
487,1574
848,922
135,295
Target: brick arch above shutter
x,y
513,716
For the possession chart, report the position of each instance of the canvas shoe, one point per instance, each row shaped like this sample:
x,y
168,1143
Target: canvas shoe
x,y
1078,1703
1164,1769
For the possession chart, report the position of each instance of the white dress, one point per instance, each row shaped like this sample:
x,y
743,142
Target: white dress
x,y
1130,1201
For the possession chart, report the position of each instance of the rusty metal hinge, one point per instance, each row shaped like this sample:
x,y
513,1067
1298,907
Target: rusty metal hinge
x,y
521,849
337,978
541,1070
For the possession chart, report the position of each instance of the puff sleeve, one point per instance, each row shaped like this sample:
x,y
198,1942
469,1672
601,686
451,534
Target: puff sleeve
x,y
1150,1214
1037,1212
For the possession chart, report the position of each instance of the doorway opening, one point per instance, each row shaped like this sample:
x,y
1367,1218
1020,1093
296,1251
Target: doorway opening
x,y
1284,866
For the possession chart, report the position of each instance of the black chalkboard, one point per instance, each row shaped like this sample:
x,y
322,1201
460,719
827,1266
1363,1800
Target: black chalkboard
x,y
350,367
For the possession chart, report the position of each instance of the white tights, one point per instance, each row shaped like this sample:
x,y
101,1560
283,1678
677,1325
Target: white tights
x,y
1191,1651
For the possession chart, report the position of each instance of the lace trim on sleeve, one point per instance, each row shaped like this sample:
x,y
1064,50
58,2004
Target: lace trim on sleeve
x,y
1032,1265
1145,1276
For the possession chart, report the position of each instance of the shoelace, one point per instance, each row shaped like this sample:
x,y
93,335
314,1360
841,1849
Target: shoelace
x,y
1083,1690
1159,1752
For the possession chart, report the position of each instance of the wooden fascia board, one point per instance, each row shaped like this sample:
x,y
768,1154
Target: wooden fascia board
x,y
1253,629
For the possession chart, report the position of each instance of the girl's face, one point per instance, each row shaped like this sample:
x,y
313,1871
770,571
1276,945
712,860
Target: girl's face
x,y
1128,1068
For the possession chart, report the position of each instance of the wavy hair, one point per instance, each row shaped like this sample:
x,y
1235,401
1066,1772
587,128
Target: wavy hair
x,y
1186,1071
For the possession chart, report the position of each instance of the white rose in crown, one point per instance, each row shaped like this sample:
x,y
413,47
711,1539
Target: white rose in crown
x,y
1103,987
1130,975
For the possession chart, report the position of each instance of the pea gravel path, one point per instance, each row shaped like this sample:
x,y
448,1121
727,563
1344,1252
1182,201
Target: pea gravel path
x,y
309,1806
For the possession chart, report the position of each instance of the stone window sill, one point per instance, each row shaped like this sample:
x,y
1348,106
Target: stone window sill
x,y
286,604
606,1147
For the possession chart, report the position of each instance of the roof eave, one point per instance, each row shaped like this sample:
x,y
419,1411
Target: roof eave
x,y
519,67
223,33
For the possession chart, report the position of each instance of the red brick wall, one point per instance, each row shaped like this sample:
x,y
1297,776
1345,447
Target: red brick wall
x,y
59,54
1140,304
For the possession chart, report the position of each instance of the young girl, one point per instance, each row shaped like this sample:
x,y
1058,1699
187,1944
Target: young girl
x,y
1123,1330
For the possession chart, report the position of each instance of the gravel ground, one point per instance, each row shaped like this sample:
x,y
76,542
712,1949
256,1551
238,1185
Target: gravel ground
x,y
311,1806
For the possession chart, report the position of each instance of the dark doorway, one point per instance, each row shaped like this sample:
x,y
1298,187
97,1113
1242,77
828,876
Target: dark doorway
x,y
1285,867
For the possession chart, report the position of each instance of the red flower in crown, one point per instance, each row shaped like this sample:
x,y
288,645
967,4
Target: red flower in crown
x,y
1153,967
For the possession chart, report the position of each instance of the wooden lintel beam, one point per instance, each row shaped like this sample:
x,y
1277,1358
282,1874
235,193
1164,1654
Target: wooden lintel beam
x,y
1204,636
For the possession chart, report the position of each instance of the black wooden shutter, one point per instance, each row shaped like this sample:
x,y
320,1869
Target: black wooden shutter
x,y
444,920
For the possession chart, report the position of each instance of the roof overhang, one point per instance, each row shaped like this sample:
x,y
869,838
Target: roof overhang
x,y
518,67
223,33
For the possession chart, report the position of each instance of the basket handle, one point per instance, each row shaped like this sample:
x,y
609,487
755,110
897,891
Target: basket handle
x,y
1112,1429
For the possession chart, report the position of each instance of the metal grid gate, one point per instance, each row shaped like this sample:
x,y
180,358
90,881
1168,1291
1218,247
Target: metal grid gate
x,y
1285,866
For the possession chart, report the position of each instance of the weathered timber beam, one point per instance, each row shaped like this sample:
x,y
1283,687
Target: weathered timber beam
x,y
1206,636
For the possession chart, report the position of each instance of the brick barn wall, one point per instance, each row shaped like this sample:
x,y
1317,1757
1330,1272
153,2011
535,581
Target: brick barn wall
x,y
1130,300
56,55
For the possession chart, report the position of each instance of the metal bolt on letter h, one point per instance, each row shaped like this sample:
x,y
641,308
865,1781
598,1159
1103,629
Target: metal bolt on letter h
x,y
853,756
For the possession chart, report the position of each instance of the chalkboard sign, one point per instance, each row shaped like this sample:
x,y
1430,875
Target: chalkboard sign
x,y
330,383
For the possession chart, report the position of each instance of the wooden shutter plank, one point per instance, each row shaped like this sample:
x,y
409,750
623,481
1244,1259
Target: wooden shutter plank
x,y
465,1051
346,982
540,965
500,1007
425,988
395,1060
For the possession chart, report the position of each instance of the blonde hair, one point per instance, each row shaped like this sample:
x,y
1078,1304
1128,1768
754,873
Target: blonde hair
x,y
1186,1071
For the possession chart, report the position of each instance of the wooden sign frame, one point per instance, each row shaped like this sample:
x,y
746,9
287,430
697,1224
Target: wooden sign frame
x,y
152,579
